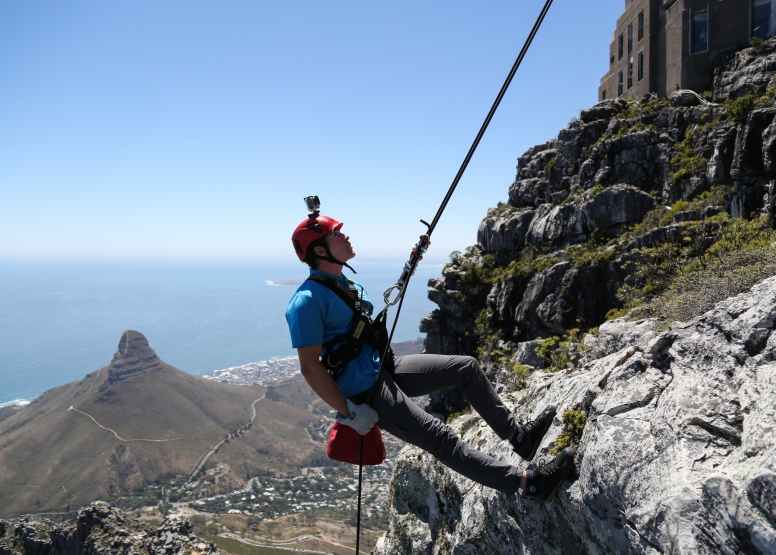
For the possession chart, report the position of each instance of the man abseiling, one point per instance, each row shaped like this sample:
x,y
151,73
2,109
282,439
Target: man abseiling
x,y
320,320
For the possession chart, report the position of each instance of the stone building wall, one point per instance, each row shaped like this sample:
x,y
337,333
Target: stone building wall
x,y
676,51
635,10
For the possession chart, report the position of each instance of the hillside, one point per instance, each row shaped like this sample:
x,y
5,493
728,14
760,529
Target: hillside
x,y
628,280
132,423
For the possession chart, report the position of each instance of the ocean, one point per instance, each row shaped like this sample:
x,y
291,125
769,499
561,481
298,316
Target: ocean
x,y
60,320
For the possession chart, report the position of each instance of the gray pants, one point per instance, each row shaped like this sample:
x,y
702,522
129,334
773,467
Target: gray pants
x,y
423,374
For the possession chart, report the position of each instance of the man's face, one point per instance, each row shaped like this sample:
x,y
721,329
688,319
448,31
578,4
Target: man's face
x,y
339,245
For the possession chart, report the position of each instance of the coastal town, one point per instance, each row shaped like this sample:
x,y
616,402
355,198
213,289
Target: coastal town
x,y
257,373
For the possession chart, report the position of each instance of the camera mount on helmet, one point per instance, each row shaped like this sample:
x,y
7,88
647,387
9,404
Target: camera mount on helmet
x,y
313,204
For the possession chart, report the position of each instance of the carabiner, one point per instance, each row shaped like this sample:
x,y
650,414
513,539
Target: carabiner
x,y
387,295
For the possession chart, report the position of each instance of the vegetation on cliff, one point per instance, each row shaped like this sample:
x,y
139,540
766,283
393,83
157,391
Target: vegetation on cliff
x,y
655,208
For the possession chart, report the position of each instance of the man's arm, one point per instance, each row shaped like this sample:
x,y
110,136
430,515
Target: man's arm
x,y
320,380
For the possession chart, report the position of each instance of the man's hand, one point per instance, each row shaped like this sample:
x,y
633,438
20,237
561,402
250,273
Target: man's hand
x,y
362,418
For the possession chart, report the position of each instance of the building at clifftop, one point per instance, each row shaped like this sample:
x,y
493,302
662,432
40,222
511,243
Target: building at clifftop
x,y
663,45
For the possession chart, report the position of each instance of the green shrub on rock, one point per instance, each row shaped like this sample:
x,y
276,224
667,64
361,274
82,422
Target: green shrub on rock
x,y
574,425
522,373
557,351
711,261
615,313
739,108
687,163
550,165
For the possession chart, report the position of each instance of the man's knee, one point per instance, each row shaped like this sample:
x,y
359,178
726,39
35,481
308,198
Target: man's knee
x,y
468,368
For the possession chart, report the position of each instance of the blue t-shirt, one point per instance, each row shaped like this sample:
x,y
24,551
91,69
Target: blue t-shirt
x,y
315,315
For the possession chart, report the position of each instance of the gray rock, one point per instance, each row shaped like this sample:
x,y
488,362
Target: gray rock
x,y
603,110
685,189
678,455
769,203
100,530
721,160
749,71
529,192
761,489
503,298
615,205
525,353
542,285
748,156
504,233
620,204
687,216
769,149
530,166
616,335
683,99
748,197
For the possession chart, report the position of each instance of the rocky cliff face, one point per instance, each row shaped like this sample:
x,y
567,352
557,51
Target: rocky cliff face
x,y
583,205
134,355
100,530
679,453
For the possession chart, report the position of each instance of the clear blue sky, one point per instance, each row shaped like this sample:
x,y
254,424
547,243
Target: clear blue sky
x,y
194,129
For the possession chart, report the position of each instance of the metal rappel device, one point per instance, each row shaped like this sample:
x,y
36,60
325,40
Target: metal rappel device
x,y
410,266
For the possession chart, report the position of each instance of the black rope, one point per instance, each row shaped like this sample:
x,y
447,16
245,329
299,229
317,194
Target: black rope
x,y
469,154
442,207
493,109
360,470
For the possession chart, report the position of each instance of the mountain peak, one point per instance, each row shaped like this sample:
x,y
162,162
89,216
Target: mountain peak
x,y
134,355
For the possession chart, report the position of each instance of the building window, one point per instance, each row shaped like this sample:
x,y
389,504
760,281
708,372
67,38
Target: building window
x,y
603,94
641,25
700,32
611,61
630,55
641,65
763,20
619,83
619,47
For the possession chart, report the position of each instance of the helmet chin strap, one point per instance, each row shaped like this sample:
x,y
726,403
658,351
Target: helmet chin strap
x,y
330,258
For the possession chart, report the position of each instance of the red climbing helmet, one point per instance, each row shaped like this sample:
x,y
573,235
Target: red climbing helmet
x,y
312,228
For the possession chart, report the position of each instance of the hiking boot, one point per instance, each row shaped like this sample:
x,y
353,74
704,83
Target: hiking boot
x,y
528,436
543,482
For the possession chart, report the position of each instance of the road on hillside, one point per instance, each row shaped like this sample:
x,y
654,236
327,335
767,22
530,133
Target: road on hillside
x,y
204,459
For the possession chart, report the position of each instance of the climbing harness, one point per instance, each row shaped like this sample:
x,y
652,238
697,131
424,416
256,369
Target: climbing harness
x,y
340,350
420,248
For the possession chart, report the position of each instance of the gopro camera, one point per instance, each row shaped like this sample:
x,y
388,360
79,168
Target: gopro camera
x,y
313,205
